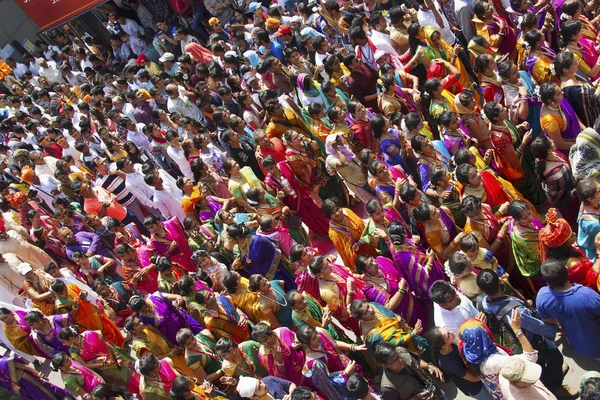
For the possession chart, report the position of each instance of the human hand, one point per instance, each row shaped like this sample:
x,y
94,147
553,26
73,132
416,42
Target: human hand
x,y
528,137
350,368
418,328
481,317
515,320
457,49
228,380
326,320
445,195
435,372
503,209
523,92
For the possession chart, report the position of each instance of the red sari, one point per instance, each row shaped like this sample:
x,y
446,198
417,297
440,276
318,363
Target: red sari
x,y
363,132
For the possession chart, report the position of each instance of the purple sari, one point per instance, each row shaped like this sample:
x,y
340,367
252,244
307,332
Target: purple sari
x,y
265,259
411,308
51,339
213,206
182,254
30,386
572,129
168,319
412,264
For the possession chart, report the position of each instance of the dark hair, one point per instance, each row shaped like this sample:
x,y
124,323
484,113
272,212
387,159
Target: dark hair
x,y
488,281
329,205
491,111
445,117
384,352
441,292
540,147
482,62
180,388
360,263
183,336
516,209
57,286
468,242
555,273
237,231
530,20
417,142
586,189
230,282
479,9
261,331
436,341
458,263
470,203
504,69
397,233
413,37
568,30
548,91
422,212
377,125
296,252
436,173
58,360
315,265
106,391
224,345
302,392
304,333
357,386
532,38
254,282
562,61
357,307
148,363
462,173
136,303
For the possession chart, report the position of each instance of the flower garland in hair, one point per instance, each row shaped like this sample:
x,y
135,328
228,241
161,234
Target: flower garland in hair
x,y
553,69
565,17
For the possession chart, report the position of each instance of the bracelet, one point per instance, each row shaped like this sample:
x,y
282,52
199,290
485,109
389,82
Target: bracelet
x,y
352,347
501,34
279,363
520,333
402,291
498,237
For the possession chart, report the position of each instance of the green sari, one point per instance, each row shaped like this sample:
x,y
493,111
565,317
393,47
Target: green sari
x,y
248,364
526,248
313,315
203,356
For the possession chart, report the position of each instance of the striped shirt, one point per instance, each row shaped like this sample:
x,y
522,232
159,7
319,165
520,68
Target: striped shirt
x,y
116,185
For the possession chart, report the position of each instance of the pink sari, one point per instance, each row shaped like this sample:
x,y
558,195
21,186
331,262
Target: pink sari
x,y
90,378
182,254
588,52
293,359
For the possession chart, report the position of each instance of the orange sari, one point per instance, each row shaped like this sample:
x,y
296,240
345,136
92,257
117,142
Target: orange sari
x,y
344,236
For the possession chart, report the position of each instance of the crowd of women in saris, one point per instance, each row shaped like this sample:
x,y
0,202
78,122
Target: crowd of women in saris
x,y
289,264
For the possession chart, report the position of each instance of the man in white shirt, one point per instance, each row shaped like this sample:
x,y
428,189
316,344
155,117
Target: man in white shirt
x,y
379,35
46,187
134,133
49,71
429,14
44,165
130,26
464,14
18,68
167,202
134,181
364,50
181,104
74,78
450,308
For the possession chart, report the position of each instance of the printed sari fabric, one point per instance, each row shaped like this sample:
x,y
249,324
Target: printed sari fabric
x,y
412,262
92,347
203,356
246,362
344,235
50,339
155,343
88,316
313,315
387,328
381,290
265,259
293,359
174,232
526,248
225,321
30,387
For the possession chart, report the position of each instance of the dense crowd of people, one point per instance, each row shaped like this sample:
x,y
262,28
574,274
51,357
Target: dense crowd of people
x,y
325,200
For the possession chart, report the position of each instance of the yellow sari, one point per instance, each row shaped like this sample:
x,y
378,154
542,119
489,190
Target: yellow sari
x,y
248,302
158,345
344,236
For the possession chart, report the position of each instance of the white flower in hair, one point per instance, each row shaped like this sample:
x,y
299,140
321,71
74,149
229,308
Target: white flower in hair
x,y
565,17
552,69
519,21
483,116
526,46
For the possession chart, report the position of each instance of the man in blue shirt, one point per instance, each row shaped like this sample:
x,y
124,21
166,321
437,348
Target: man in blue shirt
x,y
576,308
272,48
539,333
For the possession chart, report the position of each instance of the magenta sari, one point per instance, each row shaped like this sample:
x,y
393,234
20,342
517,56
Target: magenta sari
x,y
182,254
301,203
90,378
412,263
293,359
411,308
589,54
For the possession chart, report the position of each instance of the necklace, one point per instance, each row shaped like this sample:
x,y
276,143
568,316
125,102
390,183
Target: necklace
x,y
250,370
263,296
245,251
553,108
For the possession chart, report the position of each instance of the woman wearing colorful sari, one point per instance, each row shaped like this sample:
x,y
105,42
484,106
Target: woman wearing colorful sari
x,y
148,340
333,97
441,231
420,269
71,299
385,284
309,91
90,350
539,57
345,231
498,33
246,301
572,10
258,255
557,117
201,358
583,49
511,154
78,380
361,127
36,286
524,234
441,98
145,279
280,178
448,193
379,324
271,299
22,380
580,94
554,172
278,353
337,289
130,235
559,243
18,332
158,312
491,87
470,114
46,329
168,239
309,170
391,141
428,157
326,366
221,317
319,126
337,72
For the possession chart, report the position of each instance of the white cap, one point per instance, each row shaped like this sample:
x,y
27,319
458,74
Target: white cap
x,y
25,268
166,57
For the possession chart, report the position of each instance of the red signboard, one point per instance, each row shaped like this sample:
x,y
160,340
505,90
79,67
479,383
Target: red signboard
x,y
49,13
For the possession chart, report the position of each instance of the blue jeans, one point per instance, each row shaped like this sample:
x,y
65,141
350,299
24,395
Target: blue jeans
x,y
201,14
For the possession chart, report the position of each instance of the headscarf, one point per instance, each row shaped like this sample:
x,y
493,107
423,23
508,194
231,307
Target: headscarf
x,y
246,386
199,53
585,154
27,175
556,232
463,109
476,342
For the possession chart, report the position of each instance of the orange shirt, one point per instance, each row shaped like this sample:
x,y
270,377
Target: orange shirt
x,y
94,205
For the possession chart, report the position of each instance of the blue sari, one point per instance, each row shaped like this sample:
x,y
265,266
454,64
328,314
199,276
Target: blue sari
x,y
535,106
265,259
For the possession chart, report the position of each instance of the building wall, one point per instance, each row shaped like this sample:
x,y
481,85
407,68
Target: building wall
x,y
15,25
